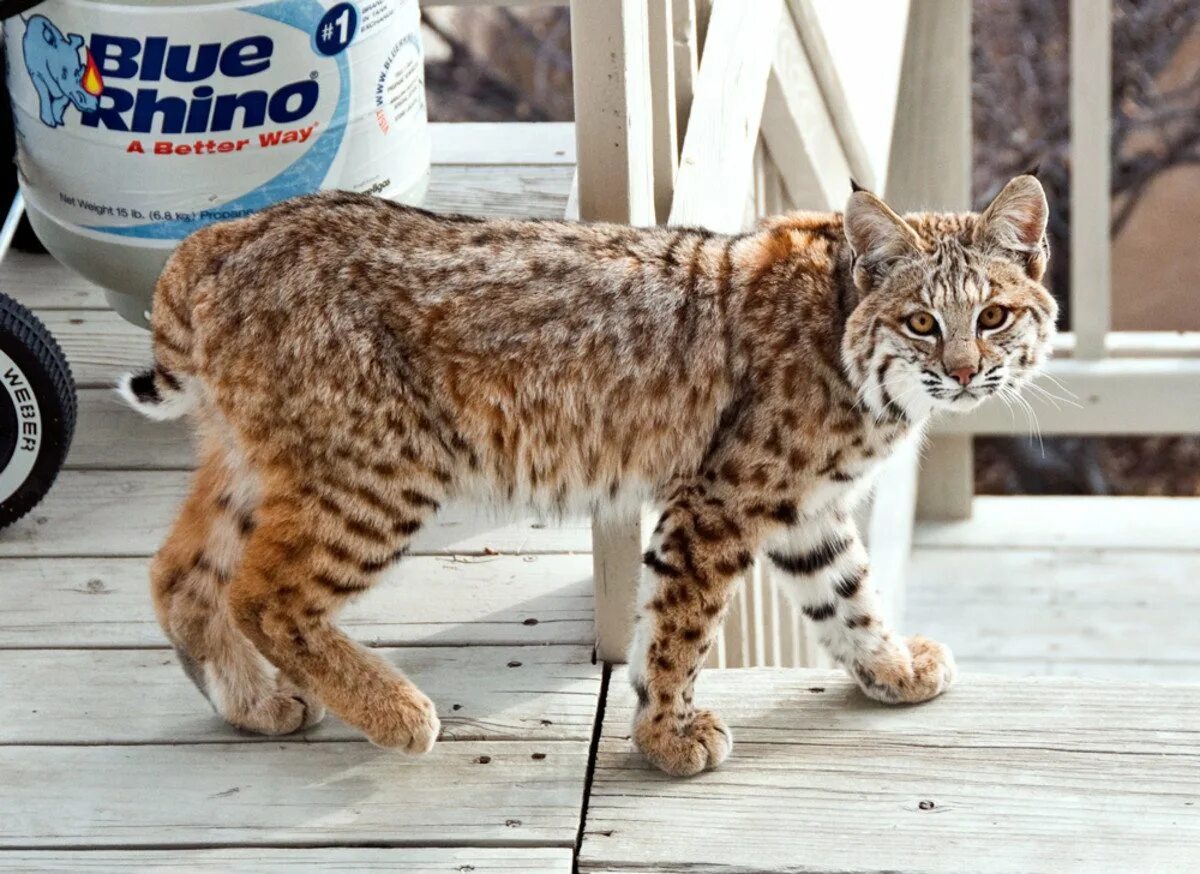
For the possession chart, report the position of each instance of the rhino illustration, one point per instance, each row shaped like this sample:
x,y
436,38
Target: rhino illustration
x,y
56,69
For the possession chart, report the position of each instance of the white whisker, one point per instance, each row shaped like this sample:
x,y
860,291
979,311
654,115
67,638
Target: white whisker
x,y
1045,395
1002,394
1058,384
1034,426
1048,394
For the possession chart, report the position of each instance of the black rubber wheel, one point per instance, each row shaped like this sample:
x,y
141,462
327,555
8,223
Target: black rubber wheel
x,y
37,410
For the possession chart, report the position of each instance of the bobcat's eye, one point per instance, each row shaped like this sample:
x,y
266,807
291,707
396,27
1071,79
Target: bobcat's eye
x,y
921,324
993,317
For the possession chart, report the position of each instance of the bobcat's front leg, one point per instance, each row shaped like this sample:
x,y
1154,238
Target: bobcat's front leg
x,y
823,567
696,556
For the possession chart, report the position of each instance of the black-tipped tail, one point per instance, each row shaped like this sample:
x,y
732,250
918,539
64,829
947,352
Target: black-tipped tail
x,y
142,386
156,394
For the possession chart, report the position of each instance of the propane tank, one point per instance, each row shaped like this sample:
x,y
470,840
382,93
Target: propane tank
x,y
141,121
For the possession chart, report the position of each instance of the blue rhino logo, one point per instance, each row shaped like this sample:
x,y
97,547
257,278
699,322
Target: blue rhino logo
x,y
54,65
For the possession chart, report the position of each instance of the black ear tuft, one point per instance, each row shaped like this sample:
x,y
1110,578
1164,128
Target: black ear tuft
x,y
1032,171
855,187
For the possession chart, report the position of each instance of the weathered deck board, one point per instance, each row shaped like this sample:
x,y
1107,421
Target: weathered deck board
x,y
99,344
1087,522
808,707
527,693
1126,671
514,191
110,436
118,513
1059,605
438,601
41,283
491,143
291,793
1089,669
998,775
411,860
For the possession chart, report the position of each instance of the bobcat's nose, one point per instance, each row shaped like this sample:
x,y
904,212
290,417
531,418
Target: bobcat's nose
x,y
964,374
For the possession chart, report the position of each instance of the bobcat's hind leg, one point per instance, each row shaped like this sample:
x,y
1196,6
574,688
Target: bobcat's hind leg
x,y
190,576
318,542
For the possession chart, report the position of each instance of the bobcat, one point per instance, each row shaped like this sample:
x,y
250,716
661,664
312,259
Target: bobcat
x,y
352,364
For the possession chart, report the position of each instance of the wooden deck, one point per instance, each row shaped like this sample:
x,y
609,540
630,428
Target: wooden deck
x,y
110,760
1102,588
997,775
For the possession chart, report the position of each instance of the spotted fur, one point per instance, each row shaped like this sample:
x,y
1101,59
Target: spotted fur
x,y
352,365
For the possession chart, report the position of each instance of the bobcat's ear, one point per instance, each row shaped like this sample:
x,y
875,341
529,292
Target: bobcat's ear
x,y
878,237
1016,223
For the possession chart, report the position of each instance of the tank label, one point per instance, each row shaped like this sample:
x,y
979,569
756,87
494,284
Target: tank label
x,y
149,122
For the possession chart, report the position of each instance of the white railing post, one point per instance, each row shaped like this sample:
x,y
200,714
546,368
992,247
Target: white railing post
x,y
930,168
1091,109
617,546
615,180
946,483
662,99
613,118
685,26
727,106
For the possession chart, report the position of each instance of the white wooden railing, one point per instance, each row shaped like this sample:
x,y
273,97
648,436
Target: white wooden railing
x,y
717,112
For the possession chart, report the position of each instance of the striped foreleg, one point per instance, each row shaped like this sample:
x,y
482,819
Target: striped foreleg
x,y
823,567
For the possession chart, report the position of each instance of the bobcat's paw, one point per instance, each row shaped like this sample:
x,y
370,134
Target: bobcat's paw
x,y
683,750
406,719
915,671
285,709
